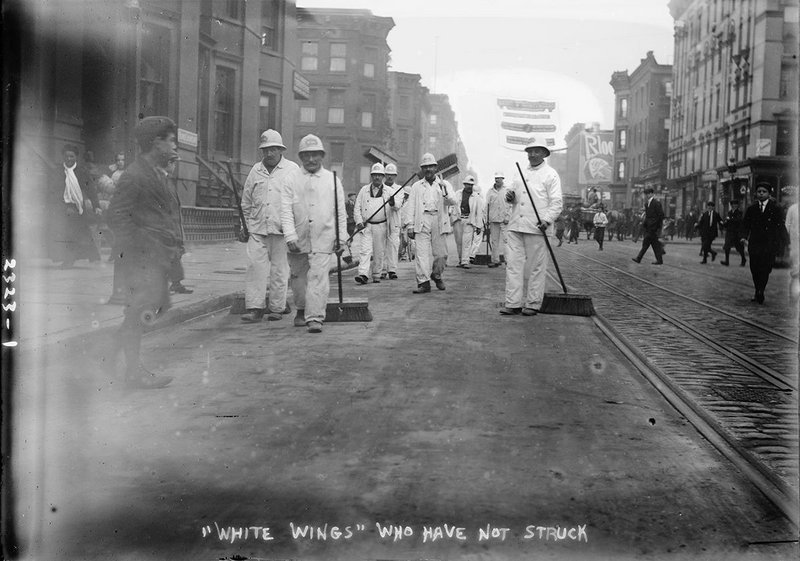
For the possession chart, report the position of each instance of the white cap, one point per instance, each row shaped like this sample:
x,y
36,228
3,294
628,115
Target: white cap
x,y
271,138
499,175
469,180
428,160
536,144
311,143
377,169
391,169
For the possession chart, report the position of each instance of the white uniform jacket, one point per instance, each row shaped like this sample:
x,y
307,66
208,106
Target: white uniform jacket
x,y
545,188
476,210
600,219
444,197
261,197
394,213
497,209
366,204
307,210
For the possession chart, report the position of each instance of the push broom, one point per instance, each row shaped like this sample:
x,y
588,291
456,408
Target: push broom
x,y
553,302
351,310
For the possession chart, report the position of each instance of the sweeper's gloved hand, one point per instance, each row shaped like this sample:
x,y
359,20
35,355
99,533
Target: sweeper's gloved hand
x,y
293,247
543,226
360,226
510,196
478,231
338,249
410,234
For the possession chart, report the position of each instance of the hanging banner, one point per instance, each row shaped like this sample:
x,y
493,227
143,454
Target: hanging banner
x,y
596,158
521,122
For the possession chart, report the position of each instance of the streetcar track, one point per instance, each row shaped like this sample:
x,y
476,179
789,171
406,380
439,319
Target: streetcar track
x,y
732,315
756,470
761,370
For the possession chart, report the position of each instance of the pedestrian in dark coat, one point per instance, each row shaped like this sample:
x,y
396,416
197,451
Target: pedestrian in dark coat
x,y
145,218
732,224
763,228
651,226
708,227
73,205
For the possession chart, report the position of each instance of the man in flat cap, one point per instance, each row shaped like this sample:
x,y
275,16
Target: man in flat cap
x,y
266,248
145,220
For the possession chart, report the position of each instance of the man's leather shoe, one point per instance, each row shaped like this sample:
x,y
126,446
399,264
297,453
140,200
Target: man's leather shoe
x,y
361,279
636,260
314,327
300,318
392,276
439,282
658,262
703,262
383,276
253,315
723,263
422,288
375,281
274,316
178,288
760,297
493,265
463,266
713,255
506,311
529,312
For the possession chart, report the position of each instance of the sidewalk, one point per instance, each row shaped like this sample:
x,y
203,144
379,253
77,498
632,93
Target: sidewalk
x,y
58,306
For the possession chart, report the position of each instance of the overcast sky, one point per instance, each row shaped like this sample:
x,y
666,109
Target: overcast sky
x,y
554,50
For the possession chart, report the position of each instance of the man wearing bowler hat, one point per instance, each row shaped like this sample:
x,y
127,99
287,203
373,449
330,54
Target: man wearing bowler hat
x,y
144,216
266,247
526,250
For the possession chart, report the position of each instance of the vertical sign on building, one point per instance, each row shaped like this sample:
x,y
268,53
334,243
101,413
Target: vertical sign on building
x,y
596,157
522,122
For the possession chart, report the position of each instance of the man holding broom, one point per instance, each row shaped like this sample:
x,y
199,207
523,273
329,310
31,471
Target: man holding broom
x,y
526,249
308,217
428,222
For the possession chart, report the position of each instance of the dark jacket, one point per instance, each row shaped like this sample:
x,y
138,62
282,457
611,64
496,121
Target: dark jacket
x,y
733,224
653,217
145,217
709,229
763,230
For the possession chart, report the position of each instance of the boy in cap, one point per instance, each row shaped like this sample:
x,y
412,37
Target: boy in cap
x,y
144,217
266,248
309,225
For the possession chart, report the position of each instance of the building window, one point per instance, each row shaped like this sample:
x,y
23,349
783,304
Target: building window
x,y
402,142
622,141
336,107
270,18
267,109
433,119
620,171
403,106
337,158
233,9
363,175
338,57
308,114
154,71
432,141
367,111
224,96
623,108
370,59
310,51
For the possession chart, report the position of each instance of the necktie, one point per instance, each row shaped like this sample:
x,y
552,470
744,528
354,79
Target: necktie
x,y
762,206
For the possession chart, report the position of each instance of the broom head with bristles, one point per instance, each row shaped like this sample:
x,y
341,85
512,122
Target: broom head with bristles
x,y
347,310
567,304
447,166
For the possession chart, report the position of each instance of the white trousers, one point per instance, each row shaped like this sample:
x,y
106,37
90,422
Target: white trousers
x,y
476,243
392,255
373,246
267,264
497,239
310,283
526,260
431,249
464,234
